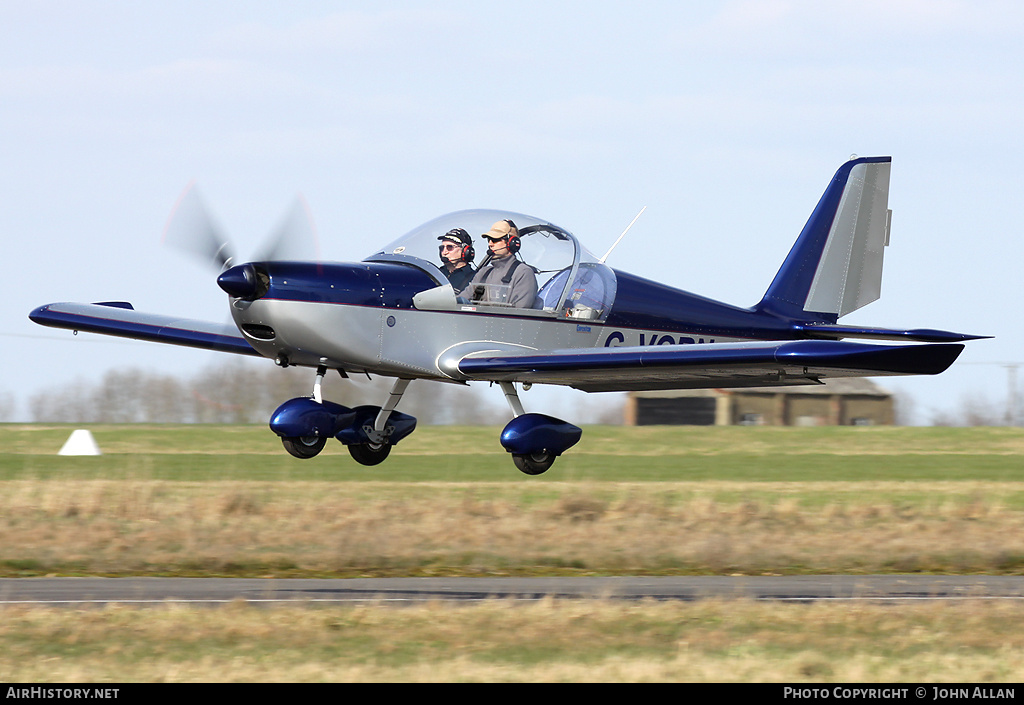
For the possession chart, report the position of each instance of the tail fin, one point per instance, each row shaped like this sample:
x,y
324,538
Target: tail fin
x,y
835,266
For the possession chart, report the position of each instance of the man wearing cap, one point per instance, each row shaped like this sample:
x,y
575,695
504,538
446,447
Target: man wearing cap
x,y
504,278
456,251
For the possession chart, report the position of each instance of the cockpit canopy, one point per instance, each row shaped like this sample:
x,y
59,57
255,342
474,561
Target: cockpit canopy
x,y
572,283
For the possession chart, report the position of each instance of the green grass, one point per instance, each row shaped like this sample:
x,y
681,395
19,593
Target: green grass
x,y
473,454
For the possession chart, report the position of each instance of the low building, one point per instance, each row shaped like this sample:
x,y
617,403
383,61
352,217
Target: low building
x,y
839,402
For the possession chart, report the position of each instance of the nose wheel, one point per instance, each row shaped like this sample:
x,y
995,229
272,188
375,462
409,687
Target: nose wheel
x,y
305,424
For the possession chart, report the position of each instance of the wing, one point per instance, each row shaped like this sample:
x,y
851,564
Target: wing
x,y
760,364
122,320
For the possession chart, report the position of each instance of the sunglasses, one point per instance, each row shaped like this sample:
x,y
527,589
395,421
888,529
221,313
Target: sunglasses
x,y
448,246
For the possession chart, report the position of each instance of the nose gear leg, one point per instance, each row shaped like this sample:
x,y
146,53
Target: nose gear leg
x,y
321,372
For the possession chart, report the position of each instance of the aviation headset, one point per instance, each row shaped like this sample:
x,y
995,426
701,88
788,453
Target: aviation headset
x,y
467,253
514,243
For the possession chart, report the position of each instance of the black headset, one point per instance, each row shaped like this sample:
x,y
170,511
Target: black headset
x,y
514,243
467,254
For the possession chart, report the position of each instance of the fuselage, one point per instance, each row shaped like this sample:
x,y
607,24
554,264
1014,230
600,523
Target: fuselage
x,y
366,316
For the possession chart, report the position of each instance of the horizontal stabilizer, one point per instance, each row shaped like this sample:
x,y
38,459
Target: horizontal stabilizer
x,y
721,365
918,335
121,320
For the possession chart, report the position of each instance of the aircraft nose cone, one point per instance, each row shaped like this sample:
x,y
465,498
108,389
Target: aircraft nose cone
x,y
240,281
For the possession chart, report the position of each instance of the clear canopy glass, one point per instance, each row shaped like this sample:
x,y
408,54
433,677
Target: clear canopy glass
x,y
572,283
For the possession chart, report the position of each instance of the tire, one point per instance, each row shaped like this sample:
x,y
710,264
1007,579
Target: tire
x,y
304,447
366,454
534,463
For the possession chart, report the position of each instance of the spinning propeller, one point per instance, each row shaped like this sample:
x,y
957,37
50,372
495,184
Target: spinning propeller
x,y
192,229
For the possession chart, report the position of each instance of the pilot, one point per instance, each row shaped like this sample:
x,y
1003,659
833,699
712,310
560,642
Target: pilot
x,y
502,267
456,251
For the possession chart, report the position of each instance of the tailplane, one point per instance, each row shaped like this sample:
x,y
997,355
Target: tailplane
x,y
835,266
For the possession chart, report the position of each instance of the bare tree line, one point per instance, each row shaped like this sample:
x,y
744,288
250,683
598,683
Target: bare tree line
x,y
972,409
240,391
976,409
7,406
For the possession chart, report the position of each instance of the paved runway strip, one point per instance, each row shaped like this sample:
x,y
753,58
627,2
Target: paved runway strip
x,y
73,592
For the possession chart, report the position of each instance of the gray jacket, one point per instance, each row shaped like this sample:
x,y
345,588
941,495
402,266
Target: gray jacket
x,y
507,280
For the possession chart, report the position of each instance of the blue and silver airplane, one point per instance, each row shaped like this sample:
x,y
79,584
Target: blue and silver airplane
x,y
588,326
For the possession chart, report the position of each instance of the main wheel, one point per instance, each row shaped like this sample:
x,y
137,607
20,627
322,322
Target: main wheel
x,y
367,454
304,446
534,463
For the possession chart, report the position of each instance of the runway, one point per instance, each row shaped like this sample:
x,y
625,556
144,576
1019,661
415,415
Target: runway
x,y
80,592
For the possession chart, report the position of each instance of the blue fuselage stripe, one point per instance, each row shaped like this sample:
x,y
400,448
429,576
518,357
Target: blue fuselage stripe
x,y
640,304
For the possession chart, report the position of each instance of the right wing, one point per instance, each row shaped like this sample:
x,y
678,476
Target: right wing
x,y
122,320
698,366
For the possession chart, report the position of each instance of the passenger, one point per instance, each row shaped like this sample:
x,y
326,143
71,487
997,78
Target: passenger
x,y
503,278
456,251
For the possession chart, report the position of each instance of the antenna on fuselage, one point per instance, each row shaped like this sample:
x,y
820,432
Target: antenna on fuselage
x,y
623,235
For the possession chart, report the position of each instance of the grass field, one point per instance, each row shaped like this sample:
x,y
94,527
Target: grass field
x,y
550,641
470,454
197,500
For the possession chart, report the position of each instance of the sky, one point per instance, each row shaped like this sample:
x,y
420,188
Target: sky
x,y
726,120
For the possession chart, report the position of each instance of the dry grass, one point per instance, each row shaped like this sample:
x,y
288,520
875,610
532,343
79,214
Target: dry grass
x,y
312,528
552,640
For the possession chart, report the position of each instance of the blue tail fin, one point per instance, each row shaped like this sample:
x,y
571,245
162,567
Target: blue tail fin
x,y
835,266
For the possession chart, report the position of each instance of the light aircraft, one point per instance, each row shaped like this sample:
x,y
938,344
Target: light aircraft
x,y
589,326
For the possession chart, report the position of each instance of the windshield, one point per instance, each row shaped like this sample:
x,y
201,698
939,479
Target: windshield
x,y
570,280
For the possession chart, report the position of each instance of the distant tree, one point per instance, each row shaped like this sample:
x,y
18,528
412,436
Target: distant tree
x,y
606,409
974,409
904,409
8,406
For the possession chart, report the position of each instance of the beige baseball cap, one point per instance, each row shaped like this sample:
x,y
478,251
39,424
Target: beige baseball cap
x,y
501,229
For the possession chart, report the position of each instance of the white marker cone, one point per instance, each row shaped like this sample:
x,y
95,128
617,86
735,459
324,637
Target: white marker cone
x,y
80,442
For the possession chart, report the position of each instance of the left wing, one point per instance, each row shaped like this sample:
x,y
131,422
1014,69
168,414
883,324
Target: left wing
x,y
721,365
122,320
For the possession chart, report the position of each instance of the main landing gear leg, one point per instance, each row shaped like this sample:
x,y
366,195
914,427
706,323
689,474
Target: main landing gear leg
x,y
512,397
378,448
533,463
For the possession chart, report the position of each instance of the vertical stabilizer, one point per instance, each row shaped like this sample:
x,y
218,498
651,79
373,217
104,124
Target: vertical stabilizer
x,y
835,266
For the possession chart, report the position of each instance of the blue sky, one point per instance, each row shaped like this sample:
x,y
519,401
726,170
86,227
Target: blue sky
x,y
725,119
